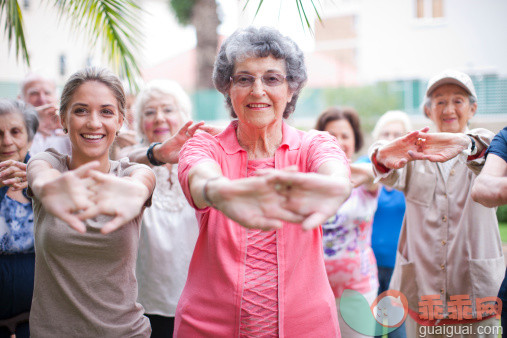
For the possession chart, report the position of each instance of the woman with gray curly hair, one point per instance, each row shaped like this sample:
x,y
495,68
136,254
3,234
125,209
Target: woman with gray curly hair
x,y
261,189
18,125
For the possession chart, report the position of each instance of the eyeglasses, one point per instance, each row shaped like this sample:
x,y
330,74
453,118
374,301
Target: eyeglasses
x,y
246,80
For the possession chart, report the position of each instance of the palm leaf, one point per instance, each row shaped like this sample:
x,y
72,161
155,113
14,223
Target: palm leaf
x,y
301,10
10,10
114,23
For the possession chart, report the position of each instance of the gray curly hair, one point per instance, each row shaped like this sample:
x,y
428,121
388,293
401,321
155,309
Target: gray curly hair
x,y
259,42
30,116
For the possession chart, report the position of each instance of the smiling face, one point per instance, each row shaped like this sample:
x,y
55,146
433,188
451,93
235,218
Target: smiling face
x,y
161,118
450,108
13,137
260,106
342,130
92,120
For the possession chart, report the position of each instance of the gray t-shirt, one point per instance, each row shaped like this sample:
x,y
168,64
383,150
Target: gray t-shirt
x,y
85,284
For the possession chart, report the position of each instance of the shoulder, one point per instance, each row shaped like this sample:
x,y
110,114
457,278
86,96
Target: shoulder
x,y
54,158
124,167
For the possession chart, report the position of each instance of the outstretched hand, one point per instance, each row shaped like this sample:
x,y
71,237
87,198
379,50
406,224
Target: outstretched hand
x,y
255,203
170,149
69,195
122,198
397,153
314,197
440,147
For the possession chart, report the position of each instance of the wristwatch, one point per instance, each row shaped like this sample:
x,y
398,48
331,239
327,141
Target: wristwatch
x,y
473,148
150,155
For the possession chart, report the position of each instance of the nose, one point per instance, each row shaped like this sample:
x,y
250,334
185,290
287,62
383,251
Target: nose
x,y
159,116
6,139
449,108
93,121
258,87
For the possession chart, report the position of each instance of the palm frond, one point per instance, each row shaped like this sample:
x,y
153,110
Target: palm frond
x,y
301,10
115,24
10,10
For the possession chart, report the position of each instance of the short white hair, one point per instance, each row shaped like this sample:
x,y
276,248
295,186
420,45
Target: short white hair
x,y
391,116
157,88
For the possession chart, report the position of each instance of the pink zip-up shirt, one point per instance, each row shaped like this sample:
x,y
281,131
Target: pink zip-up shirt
x,y
210,304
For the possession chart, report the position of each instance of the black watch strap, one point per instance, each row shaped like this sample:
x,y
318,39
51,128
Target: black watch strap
x,y
150,156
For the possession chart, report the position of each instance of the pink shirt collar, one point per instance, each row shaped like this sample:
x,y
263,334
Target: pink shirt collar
x,y
229,141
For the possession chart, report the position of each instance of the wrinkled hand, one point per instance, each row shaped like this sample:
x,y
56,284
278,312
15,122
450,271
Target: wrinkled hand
x,y
395,154
126,139
68,196
170,149
440,147
122,198
13,174
254,203
314,197
48,118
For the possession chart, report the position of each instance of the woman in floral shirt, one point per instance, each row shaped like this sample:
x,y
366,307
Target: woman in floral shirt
x,y
349,258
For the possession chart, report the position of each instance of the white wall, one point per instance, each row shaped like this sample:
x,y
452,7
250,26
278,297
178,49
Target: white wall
x,y
393,44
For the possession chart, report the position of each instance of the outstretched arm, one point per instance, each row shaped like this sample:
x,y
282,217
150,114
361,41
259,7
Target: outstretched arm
x,y
64,195
362,174
490,187
252,202
168,151
123,198
314,196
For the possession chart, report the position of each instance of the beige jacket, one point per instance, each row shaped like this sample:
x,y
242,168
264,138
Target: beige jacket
x,y
449,244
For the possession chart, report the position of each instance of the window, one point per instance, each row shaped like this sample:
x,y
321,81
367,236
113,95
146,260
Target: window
x,y
62,66
429,9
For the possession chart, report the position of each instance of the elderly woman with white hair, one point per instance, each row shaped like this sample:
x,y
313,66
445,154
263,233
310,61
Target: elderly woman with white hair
x,y
169,228
388,217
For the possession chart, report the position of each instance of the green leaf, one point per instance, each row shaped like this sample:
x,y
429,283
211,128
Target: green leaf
x,y
301,10
115,24
10,10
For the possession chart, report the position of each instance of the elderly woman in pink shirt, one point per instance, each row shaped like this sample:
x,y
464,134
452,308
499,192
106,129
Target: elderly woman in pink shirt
x,y
261,189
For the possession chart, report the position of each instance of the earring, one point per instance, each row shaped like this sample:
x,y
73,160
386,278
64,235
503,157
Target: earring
x,y
65,131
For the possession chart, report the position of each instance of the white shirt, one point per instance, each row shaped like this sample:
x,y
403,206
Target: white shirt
x,y
60,143
168,235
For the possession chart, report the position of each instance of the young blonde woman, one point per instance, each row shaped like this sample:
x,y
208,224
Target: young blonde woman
x,y
87,216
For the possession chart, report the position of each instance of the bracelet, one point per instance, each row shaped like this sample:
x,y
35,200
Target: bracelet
x,y
205,192
380,167
473,148
151,157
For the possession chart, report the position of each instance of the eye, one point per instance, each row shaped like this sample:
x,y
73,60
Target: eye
x,y
15,131
243,80
79,111
107,112
273,79
149,112
168,110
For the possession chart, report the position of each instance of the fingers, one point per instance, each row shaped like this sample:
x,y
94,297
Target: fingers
x,y
183,130
266,224
212,130
313,221
287,215
114,224
20,186
73,221
191,131
81,172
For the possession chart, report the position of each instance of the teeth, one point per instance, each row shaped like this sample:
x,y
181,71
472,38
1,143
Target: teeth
x,y
92,137
261,105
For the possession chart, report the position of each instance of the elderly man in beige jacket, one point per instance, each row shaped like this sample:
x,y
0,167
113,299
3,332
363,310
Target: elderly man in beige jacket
x,y
449,258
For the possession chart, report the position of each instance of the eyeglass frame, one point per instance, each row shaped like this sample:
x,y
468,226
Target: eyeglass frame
x,y
284,78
